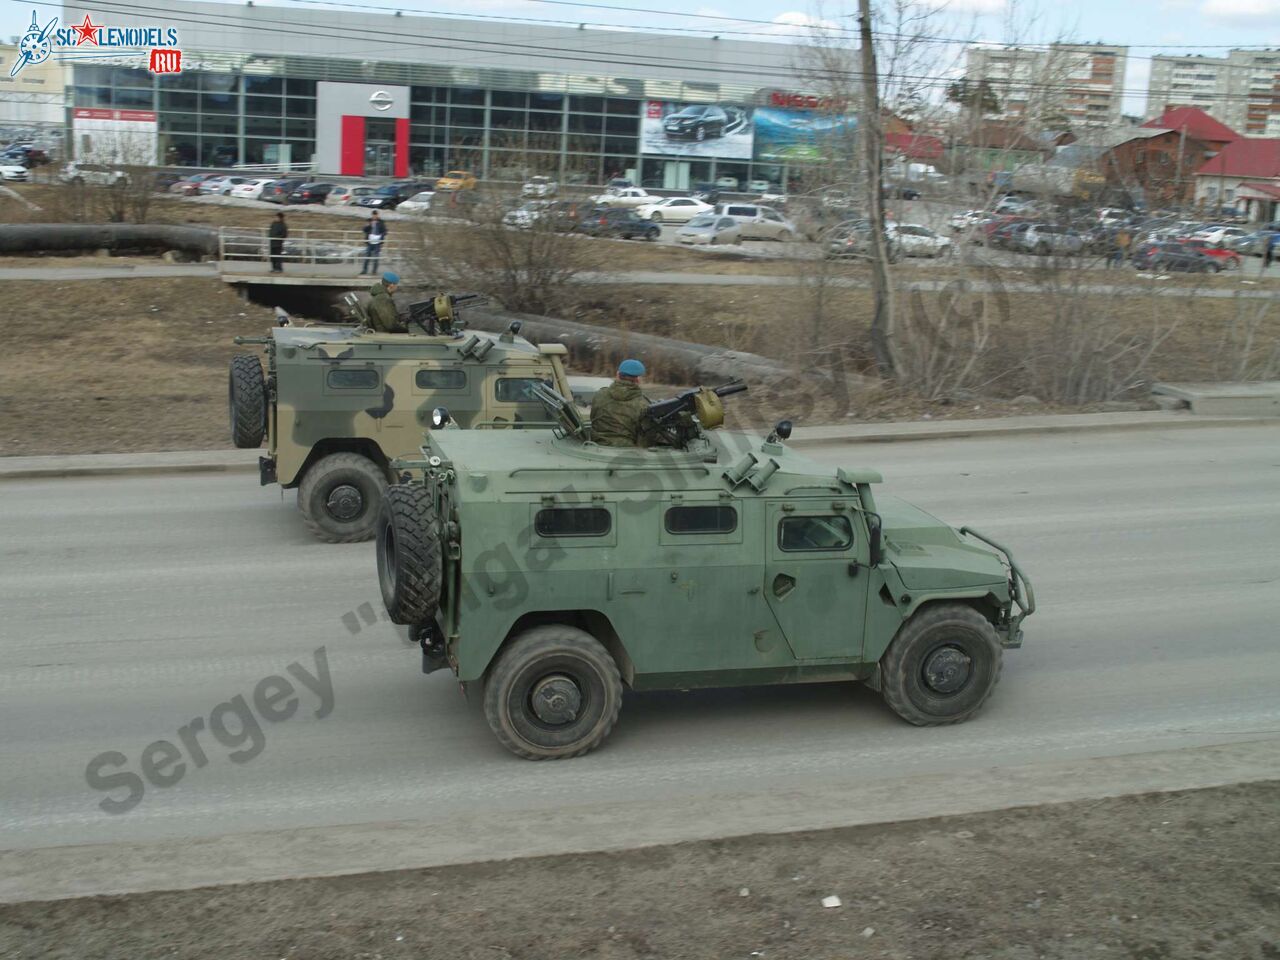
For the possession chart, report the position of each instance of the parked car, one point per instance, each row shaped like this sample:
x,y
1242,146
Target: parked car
x,y
1046,238
698,121
1218,235
343,194
219,186
310,193
527,214
390,196
920,241
420,202
853,239
457,180
14,172
706,191
1015,206
1226,259
24,155
1008,236
758,186
758,222
1252,244
188,186
539,187
278,191
710,229
965,219
728,183
618,183
618,222
565,215
1172,257
624,197
673,210
251,189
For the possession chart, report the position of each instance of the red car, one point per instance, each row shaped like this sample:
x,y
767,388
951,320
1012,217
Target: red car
x,y
1226,259
191,185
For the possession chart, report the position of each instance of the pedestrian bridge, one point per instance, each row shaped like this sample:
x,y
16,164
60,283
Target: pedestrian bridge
x,y
317,258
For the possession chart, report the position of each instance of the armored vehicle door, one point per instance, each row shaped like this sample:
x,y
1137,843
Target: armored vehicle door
x,y
510,398
816,578
456,387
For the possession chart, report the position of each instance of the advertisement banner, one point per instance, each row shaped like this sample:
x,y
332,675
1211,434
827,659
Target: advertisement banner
x,y
716,130
789,134
107,136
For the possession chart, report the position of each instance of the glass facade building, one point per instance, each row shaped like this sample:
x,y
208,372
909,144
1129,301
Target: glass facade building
x,y
481,104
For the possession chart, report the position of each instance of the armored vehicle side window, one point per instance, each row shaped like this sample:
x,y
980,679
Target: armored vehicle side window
x,y
440,379
353,379
572,522
796,534
517,389
703,519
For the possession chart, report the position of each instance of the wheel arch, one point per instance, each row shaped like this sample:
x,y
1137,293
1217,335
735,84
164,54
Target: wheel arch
x,y
323,448
590,621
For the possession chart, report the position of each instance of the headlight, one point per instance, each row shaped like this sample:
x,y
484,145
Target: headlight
x,y
440,417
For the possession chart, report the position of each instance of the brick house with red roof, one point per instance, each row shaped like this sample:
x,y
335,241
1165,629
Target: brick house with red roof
x,y
1246,174
1195,124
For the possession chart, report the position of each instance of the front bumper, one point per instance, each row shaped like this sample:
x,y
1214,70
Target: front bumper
x,y
1021,593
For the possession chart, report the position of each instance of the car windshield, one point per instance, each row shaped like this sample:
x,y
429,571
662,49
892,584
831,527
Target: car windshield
x,y
387,191
702,222
420,197
691,112
457,173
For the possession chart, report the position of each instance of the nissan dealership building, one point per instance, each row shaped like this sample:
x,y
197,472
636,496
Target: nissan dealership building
x,y
385,95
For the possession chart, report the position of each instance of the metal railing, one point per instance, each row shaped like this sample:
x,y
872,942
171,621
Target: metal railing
x,y
337,248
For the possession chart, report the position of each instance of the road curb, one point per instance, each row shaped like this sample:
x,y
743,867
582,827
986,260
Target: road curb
x,y
235,461
120,869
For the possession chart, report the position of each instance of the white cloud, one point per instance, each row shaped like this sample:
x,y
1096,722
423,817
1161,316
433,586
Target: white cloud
x,y
1241,10
968,6
796,24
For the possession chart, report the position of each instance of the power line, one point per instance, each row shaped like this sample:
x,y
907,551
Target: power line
x,y
500,48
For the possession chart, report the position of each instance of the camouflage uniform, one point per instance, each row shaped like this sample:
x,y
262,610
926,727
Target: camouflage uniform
x,y
383,316
615,414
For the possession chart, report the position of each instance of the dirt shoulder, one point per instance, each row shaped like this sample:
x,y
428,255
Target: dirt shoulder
x,y
1192,874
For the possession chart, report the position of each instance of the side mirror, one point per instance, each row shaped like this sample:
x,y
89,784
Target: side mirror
x,y
874,528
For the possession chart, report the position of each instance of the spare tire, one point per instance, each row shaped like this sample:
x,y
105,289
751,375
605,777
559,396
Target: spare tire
x,y
410,564
247,401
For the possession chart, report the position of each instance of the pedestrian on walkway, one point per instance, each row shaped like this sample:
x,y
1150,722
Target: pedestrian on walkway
x,y
276,234
1120,249
1269,251
375,233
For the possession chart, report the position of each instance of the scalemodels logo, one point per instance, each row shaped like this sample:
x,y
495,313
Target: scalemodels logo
x,y
98,41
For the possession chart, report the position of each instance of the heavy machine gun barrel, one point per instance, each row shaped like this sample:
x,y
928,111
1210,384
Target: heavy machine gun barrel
x,y
662,411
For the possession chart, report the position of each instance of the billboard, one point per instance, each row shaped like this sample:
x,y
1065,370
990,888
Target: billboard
x,y
789,134
106,136
719,130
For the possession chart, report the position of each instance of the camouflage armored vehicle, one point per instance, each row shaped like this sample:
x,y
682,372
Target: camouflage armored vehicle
x,y
338,403
558,571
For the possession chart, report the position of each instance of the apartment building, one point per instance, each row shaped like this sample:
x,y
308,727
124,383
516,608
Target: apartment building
x,y
1241,89
1083,82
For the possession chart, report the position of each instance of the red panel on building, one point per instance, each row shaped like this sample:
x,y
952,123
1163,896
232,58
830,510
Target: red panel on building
x,y
353,146
402,147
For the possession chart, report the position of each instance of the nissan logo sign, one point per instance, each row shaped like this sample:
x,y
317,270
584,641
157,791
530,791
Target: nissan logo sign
x,y
381,100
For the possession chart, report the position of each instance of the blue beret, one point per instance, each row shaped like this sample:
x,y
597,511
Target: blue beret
x,y
631,368
390,277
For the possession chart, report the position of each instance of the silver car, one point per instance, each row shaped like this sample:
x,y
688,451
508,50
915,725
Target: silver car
x,y
710,229
1046,239
758,222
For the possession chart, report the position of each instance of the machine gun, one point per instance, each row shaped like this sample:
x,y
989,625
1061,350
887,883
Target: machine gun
x,y
679,419
441,314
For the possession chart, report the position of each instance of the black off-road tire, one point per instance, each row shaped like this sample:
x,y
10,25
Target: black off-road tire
x,y
652,235
340,496
656,217
247,401
410,563
535,658
940,628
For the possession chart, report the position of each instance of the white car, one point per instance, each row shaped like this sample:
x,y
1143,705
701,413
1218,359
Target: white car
x,y
920,241
15,172
527,214
966,219
251,189
418,203
727,183
710,229
220,185
758,222
345,194
673,210
624,197
758,186
1218,236
539,187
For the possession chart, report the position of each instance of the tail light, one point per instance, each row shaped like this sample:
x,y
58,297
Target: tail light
x,y
604,221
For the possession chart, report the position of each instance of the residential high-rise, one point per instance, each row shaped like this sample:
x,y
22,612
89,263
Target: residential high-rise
x,y
1241,89
1083,82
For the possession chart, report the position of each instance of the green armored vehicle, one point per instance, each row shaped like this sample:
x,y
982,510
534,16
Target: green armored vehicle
x,y
558,571
338,403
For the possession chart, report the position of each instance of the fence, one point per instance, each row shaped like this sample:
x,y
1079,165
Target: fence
x,y
337,248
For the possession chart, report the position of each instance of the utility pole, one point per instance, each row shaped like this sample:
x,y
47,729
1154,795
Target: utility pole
x,y
873,147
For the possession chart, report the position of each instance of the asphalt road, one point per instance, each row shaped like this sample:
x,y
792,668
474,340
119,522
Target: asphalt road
x,y
134,605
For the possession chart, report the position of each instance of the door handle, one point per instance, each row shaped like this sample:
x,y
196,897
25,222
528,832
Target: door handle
x,y
854,568
783,585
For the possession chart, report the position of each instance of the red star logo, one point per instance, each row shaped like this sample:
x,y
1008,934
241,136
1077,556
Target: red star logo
x,y
88,31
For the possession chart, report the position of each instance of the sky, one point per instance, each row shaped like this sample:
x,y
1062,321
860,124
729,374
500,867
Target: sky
x,y
1148,26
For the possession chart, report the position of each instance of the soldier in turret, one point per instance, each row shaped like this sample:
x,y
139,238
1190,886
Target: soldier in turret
x,y
383,316
616,411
